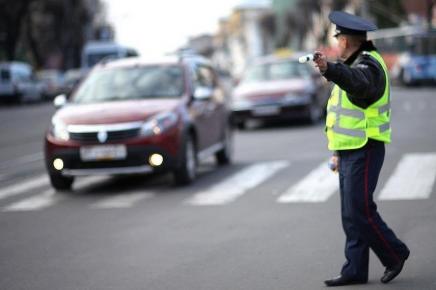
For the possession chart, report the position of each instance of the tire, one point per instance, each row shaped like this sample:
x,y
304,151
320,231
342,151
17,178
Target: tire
x,y
187,170
314,113
60,182
406,78
241,125
19,99
224,156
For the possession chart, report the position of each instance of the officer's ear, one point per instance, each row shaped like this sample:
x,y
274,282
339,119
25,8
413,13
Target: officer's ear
x,y
342,41
355,40
346,41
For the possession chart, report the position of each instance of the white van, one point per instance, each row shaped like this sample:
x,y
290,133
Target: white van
x,y
18,83
94,52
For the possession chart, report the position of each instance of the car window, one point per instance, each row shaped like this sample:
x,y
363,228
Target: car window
x,y
145,82
255,73
5,75
305,70
284,70
23,75
274,71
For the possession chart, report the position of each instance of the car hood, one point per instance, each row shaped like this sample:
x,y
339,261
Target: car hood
x,y
270,88
113,112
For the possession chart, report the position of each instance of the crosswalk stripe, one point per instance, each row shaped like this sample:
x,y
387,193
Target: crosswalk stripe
x,y
86,181
49,197
413,178
236,185
317,186
124,200
22,187
37,202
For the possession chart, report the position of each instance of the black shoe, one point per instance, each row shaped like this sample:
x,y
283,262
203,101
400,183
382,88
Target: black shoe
x,y
342,281
392,272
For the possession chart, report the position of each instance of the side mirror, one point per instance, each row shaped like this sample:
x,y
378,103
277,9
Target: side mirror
x,y
203,93
60,101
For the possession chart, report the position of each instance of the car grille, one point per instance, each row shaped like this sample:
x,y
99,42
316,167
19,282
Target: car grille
x,y
92,137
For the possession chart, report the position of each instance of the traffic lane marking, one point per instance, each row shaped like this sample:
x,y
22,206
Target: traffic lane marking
x,y
317,186
237,184
413,178
124,200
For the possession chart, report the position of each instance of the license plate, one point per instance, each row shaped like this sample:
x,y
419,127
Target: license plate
x,y
103,152
266,111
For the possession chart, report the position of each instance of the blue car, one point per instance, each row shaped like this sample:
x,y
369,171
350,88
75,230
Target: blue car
x,y
416,69
419,64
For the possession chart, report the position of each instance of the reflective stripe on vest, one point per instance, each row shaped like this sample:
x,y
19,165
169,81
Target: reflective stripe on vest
x,y
364,123
339,110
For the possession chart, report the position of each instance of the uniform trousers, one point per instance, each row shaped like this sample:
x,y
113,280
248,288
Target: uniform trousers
x,y
363,226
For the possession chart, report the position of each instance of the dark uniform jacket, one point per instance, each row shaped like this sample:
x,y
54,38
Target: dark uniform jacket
x,y
361,76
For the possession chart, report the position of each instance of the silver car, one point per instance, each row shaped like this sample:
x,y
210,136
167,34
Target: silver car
x,y
18,84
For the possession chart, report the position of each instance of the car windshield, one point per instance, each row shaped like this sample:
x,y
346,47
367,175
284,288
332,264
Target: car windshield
x,y
275,71
144,82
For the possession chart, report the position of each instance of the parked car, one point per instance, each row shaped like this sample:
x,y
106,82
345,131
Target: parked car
x,y
418,65
18,83
413,69
134,116
53,83
279,88
96,51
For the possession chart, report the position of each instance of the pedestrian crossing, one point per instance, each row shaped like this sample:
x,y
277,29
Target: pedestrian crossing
x,y
317,186
40,201
413,178
122,200
231,188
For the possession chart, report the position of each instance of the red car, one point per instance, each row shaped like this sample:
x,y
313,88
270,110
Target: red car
x,y
277,88
135,116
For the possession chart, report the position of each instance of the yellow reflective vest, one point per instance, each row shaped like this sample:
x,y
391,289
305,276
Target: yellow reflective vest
x,y
349,126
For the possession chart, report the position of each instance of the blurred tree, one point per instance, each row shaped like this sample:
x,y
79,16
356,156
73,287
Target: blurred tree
x,y
300,20
311,15
12,14
387,13
48,33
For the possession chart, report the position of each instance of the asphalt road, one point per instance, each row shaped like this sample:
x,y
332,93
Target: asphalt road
x,y
269,221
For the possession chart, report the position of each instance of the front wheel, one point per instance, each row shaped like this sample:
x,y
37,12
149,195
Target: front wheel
x,y
314,113
406,78
187,170
224,156
60,182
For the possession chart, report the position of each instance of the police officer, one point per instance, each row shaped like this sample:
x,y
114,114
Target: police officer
x,y
357,127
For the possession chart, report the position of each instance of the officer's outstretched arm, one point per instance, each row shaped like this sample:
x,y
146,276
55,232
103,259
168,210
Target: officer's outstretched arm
x,y
360,81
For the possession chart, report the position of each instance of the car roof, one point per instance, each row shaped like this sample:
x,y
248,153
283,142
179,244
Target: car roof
x,y
275,59
15,64
143,61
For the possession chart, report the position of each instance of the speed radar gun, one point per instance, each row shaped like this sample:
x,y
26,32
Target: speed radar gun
x,y
306,58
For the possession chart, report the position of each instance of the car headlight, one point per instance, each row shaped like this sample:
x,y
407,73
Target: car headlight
x,y
240,104
159,124
59,130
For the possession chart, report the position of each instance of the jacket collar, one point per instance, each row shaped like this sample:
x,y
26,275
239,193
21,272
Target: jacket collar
x,y
365,46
